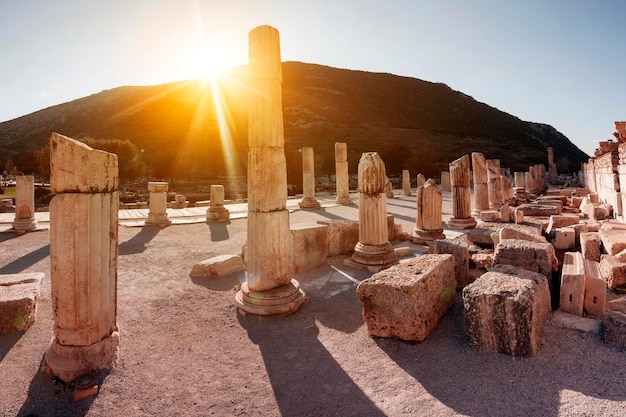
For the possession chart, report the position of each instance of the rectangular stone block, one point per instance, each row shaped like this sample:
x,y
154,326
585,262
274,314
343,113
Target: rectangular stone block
x,y
613,240
613,271
343,235
557,222
573,284
505,311
408,300
531,209
595,289
310,245
218,266
564,238
459,248
532,256
481,234
590,246
19,294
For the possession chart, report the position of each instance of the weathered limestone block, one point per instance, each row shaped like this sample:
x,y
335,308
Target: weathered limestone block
x,y
406,182
505,213
490,216
218,266
428,214
481,234
341,173
613,271
310,245
19,294
459,248
614,324
534,209
590,246
217,211
24,204
511,233
408,300
505,311
158,204
482,260
92,171
343,235
578,229
565,238
533,256
613,241
595,289
518,215
573,284
308,179
556,222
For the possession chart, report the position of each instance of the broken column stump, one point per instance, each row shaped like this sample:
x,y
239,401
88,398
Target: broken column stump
x,y
505,311
408,300
19,294
573,284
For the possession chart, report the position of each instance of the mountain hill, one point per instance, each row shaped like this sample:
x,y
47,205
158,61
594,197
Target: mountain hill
x,y
414,124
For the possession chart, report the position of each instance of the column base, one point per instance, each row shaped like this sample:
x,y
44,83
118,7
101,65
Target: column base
x,y
344,201
25,225
160,220
424,236
374,255
310,203
218,214
281,301
468,223
71,362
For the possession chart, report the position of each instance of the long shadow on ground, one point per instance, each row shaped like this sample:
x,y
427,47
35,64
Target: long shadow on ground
x,y
26,261
137,244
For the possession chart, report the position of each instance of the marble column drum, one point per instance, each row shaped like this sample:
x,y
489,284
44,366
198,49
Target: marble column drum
x,y
373,248
494,184
24,204
461,194
481,191
157,214
269,288
308,179
216,211
428,214
83,259
341,173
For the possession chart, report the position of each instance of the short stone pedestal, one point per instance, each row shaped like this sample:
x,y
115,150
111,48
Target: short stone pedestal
x,y
19,294
24,204
505,311
408,300
428,214
341,173
216,211
158,204
308,179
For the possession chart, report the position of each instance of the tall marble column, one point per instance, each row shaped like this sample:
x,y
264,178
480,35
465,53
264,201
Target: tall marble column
x,y
429,213
494,184
461,194
406,182
24,204
481,192
373,248
158,204
83,259
269,288
217,211
421,180
341,173
308,179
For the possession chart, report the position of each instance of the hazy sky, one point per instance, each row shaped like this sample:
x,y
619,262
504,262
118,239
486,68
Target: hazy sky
x,y
560,62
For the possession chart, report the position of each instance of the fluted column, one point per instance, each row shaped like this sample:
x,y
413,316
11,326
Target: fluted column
x,y
341,173
308,179
269,288
24,204
428,214
406,182
373,247
217,211
158,204
481,192
494,184
461,195
83,259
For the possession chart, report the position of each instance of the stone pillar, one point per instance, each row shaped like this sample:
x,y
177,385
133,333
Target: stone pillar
x,y
308,179
406,182
445,181
529,182
494,184
481,192
552,173
217,211
421,180
535,178
541,171
507,189
24,204
269,288
83,259
429,213
341,173
520,188
373,248
158,204
388,188
461,194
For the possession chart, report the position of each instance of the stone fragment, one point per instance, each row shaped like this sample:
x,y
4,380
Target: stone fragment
x,y
557,222
428,214
342,236
505,311
505,213
481,234
490,216
533,209
574,322
511,233
573,284
595,289
621,256
19,294
590,246
445,181
459,248
218,266
614,325
518,215
532,256
613,271
408,300
482,260
310,246
564,238
613,240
